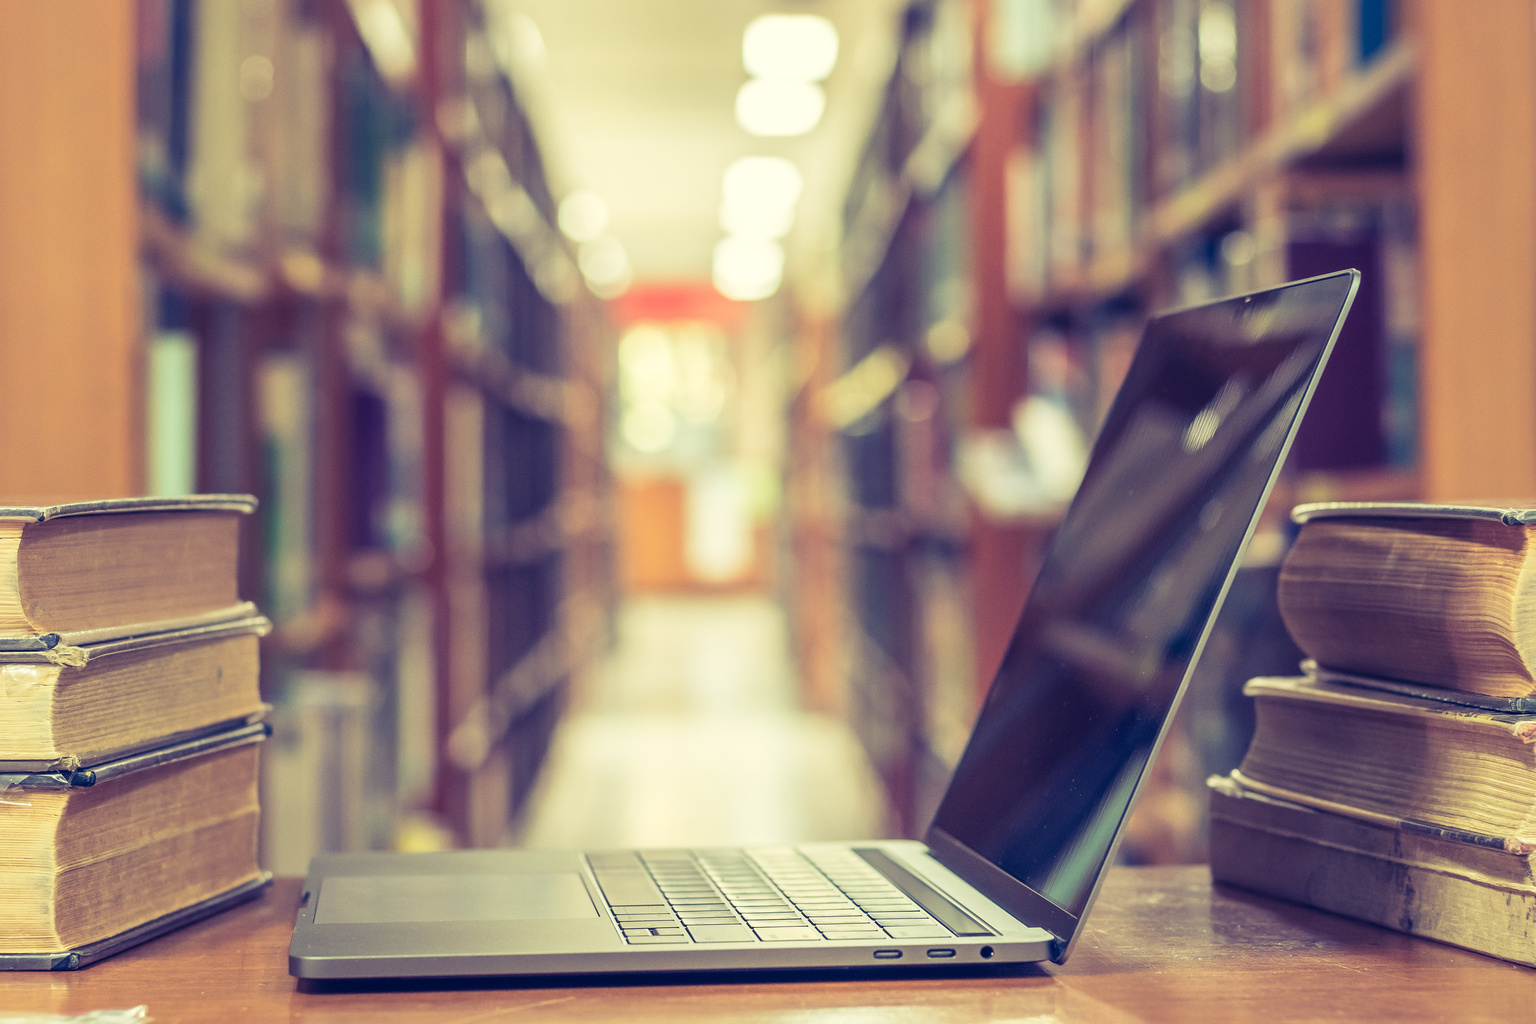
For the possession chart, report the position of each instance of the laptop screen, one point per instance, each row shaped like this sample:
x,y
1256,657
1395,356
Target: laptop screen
x,y
1131,583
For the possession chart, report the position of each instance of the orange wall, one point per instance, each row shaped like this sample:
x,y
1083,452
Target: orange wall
x,y
653,528
651,520
69,332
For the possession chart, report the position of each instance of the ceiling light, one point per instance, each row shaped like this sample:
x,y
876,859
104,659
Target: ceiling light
x,y
583,216
757,220
605,265
777,106
748,268
761,180
798,47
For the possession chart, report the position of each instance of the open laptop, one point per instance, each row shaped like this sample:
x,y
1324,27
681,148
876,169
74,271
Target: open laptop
x,y
1126,595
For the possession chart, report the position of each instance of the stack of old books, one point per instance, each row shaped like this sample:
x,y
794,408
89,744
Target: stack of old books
x,y
1395,781
130,715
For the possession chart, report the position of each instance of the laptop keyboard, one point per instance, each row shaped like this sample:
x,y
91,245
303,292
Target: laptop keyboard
x,y
770,895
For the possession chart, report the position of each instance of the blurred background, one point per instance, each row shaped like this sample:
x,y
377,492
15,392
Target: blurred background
x,y
658,407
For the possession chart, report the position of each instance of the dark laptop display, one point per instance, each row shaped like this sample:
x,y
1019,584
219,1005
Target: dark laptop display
x,y
1127,593
1130,585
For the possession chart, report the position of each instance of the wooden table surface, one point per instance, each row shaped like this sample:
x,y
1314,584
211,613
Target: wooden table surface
x,y
1161,946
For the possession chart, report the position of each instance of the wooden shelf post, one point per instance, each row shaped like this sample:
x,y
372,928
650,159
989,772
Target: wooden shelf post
x,y
70,425
1476,150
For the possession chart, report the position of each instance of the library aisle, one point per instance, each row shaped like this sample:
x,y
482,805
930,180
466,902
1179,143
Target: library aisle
x,y
689,734
508,311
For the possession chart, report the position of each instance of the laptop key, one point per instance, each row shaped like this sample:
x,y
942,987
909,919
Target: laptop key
x,y
788,933
721,933
654,940
934,931
853,933
628,888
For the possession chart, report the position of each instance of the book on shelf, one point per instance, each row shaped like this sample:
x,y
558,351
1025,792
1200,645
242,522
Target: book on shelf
x,y
1316,44
92,571
1118,113
1345,427
163,50
1448,888
94,860
288,398
223,174
73,706
1028,220
1392,758
303,122
1062,131
1177,145
171,407
1203,59
1438,595
1223,45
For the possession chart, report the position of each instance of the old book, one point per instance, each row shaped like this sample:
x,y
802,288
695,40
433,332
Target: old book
x,y
1439,595
72,706
98,570
93,854
1390,758
1456,891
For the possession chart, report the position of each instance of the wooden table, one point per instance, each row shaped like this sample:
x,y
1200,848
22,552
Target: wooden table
x,y
1161,946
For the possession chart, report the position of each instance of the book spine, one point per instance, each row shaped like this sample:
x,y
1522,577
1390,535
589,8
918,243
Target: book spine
x,y
1178,87
1343,428
220,171
300,95
1400,275
286,389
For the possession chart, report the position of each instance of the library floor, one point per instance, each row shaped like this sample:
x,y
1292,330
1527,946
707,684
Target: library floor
x,y
690,735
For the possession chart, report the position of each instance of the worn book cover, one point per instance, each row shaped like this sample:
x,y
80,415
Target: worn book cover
x,y
1394,757
1460,889
95,859
1435,595
74,705
92,571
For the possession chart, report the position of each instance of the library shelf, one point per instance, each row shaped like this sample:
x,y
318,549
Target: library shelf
x,y
1111,175
388,344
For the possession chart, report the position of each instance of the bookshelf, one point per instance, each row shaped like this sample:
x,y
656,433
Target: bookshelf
x,y
391,347
1134,155
876,519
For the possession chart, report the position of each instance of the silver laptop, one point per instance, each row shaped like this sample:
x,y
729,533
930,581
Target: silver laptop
x,y
1007,872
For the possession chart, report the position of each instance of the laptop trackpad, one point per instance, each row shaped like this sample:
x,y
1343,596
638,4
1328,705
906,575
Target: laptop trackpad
x,y
395,899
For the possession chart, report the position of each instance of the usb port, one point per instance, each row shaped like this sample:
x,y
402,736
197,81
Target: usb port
x,y
887,954
941,954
